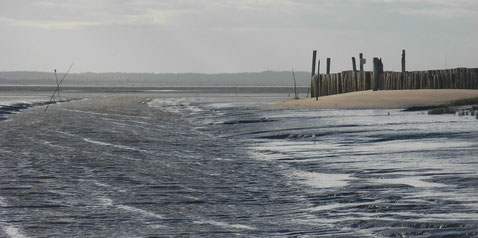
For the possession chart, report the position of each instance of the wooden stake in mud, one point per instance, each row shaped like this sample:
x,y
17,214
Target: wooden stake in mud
x,y
328,66
354,65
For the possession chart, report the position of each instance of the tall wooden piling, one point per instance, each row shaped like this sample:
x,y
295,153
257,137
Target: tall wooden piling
x,y
403,61
354,75
314,57
353,80
318,82
328,66
362,62
377,74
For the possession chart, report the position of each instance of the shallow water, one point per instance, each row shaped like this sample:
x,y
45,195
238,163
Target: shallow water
x,y
162,165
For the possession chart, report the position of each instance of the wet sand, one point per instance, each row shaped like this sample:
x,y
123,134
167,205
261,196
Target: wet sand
x,y
396,99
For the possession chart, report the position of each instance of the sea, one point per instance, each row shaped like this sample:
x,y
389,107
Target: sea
x,y
213,162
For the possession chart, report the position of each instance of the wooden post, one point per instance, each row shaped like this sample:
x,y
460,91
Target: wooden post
x,y
318,67
380,65
328,65
295,85
318,83
57,84
354,75
403,61
377,73
362,61
314,56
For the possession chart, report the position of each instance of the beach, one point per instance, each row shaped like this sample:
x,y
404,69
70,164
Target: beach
x,y
388,99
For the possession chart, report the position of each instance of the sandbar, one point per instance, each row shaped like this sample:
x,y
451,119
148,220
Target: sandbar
x,y
387,99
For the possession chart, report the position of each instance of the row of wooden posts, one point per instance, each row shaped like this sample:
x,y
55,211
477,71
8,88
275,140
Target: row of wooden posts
x,y
360,80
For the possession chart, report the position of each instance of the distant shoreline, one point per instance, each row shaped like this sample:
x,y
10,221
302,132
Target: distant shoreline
x,y
387,99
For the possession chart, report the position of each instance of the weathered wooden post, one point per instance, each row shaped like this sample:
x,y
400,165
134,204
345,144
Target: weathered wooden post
x,y
403,76
380,68
403,61
318,84
328,66
314,56
354,75
377,73
362,62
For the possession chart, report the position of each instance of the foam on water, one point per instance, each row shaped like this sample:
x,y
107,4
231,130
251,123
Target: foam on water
x,y
335,206
108,202
175,105
139,211
103,114
411,181
3,203
12,231
12,100
104,201
322,180
224,224
112,145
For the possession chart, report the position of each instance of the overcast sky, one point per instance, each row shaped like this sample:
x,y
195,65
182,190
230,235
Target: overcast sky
x,y
212,36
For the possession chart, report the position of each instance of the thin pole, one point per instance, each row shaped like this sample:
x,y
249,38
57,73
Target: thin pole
x,y
57,84
295,85
51,98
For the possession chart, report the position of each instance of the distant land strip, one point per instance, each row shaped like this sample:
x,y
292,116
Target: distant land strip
x,y
265,78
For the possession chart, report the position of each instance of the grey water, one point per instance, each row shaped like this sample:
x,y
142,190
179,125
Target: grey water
x,y
168,163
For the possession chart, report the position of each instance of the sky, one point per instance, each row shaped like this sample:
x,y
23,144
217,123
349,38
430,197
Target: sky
x,y
227,36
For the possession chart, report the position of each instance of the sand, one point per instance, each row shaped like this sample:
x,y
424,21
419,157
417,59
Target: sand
x,y
391,99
